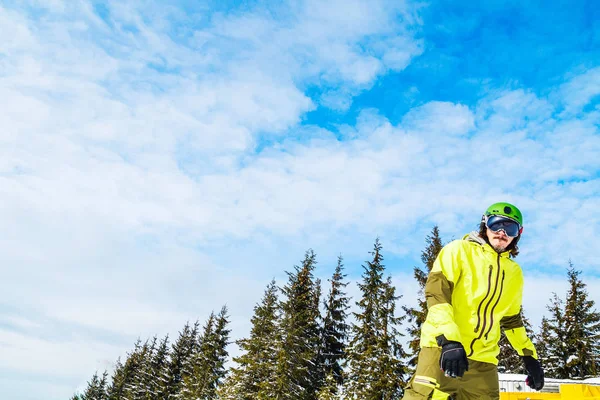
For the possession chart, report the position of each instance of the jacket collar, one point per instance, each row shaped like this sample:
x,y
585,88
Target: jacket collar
x,y
474,237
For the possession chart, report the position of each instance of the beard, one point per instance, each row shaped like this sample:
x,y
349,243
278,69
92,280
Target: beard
x,y
499,248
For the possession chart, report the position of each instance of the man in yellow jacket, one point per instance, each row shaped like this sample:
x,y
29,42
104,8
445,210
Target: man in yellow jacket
x,y
473,290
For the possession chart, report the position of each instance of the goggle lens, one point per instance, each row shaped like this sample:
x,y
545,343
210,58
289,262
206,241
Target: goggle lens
x,y
499,223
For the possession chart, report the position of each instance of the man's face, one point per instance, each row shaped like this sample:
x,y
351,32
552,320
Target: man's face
x,y
498,240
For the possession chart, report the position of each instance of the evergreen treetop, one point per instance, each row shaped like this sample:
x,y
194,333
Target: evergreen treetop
x,y
255,367
376,368
416,315
335,327
582,324
298,372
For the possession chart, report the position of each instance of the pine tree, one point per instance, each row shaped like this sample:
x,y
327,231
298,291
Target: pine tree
x,y
96,388
158,370
509,360
256,365
416,316
376,370
190,381
124,379
208,366
317,375
140,387
182,352
329,390
392,367
297,370
543,340
139,362
150,376
103,389
335,328
553,336
582,323
120,377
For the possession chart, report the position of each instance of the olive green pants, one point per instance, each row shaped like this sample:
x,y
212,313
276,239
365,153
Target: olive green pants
x,y
480,382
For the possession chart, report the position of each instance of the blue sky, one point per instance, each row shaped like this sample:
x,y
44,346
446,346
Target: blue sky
x,y
158,161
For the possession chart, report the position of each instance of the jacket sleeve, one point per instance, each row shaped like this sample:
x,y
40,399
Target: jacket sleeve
x,y
438,292
514,329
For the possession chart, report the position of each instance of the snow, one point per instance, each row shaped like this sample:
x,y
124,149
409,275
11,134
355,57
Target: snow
x,y
571,358
592,381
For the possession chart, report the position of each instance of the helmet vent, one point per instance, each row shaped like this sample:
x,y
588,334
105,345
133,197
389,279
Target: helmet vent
x,y
507,210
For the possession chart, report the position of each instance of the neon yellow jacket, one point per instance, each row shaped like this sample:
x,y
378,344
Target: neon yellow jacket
x,y
472,292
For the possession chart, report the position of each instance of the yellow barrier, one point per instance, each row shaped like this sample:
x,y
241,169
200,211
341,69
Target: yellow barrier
x,y
576,392
567,392
531,396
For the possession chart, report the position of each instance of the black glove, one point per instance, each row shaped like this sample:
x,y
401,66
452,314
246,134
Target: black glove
x,y
535,373
454,358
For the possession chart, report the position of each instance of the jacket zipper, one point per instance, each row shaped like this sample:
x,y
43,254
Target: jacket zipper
x,y
485,297
494,307
486,308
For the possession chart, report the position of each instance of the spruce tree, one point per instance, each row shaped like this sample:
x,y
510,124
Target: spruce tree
x,y
553,337
208,365
125,376
120,377
317,375
140,387
96,388
416,315
297,370
329,390
393,370
509,360
190,381
150,376
376,369
335,328
543,340
219,353
103,387
582,325
182,352
158,370
255,367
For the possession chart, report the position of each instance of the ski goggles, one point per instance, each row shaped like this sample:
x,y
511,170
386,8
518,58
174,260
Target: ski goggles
x,y
498,223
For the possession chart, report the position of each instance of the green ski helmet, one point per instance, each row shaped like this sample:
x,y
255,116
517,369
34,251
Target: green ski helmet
x,y
506,210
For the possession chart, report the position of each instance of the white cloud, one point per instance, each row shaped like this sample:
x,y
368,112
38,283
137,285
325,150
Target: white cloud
x,y
336,100
122,154
134,199
440,118
53,358
578,91
317,41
